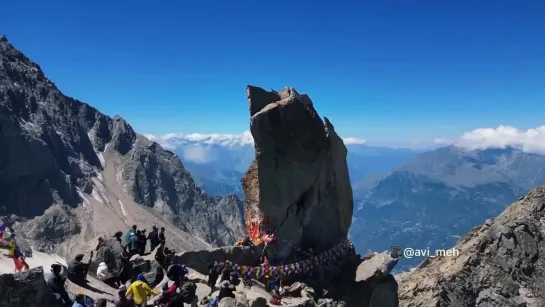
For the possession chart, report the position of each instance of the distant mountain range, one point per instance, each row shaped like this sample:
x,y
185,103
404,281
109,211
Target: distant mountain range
x,y
218,162
402,197
433,198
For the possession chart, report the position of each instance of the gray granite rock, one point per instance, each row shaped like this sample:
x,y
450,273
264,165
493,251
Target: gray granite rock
x,y
299,180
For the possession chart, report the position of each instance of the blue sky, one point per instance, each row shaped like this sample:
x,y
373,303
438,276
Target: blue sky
x,y
386,71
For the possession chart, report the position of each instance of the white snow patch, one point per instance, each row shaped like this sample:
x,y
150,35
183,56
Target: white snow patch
x,y
101,158
97,196
85,200
38,259
99,191
122,208
26,125
99,176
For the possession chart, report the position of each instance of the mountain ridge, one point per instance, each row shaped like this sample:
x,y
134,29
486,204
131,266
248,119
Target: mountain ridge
x,y
59,152
436,196
499,263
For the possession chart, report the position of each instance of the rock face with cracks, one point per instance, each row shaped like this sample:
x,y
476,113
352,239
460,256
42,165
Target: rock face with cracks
x,y
501,263
27,289
299,181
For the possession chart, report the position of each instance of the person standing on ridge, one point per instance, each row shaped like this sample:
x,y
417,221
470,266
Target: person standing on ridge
x,y
56,282
153,237
133,244
142,240
162,235
129,232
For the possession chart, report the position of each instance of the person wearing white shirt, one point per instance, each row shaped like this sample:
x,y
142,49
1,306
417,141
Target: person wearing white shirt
x,y
104,274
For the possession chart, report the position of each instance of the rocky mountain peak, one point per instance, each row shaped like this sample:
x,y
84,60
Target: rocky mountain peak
x,y
299,180
58,151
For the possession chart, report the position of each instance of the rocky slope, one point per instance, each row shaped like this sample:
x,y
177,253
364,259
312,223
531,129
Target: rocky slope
x,y
501,263
432,199
79,174
298,183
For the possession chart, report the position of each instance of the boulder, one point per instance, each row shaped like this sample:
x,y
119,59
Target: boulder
x,y
381,264
298,302
27,289
385,293
199,260
155,274
112,254
227,302
299,180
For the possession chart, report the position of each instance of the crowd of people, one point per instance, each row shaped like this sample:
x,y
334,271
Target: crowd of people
x,y
134,290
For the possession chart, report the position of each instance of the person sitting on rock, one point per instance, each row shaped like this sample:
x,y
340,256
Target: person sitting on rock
x,y
106,277
140,291
213,276
55,283
153,237
80,301
77,270
177,273
129,232
122,300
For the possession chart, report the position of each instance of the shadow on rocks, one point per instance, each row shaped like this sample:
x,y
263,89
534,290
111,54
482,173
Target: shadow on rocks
x,y
199,260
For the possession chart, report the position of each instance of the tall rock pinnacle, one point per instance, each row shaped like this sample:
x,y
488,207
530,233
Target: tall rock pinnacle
x,y
298,186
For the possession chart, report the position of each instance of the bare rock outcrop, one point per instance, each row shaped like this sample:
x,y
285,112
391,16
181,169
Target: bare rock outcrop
x,y
200,260
501,263
299,182
27,289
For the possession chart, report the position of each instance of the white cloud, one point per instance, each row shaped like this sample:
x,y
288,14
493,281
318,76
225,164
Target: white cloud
x,y
173,140
198,154
354,141
531,140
